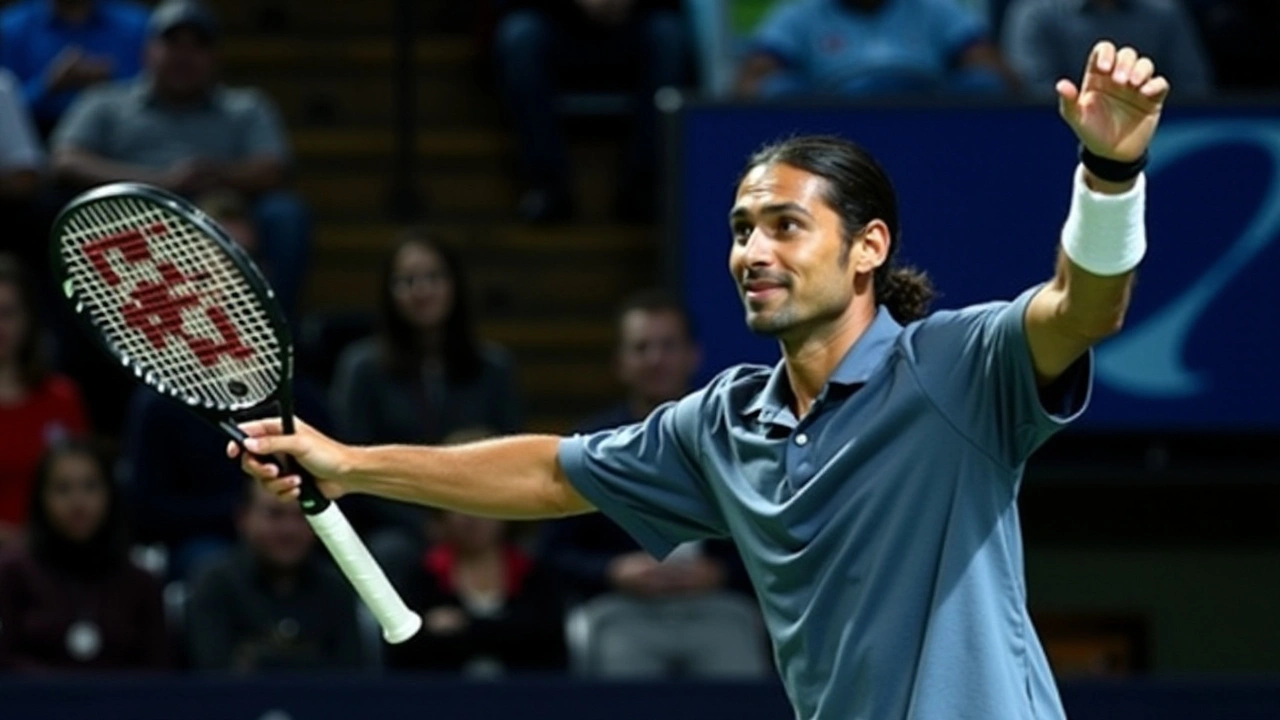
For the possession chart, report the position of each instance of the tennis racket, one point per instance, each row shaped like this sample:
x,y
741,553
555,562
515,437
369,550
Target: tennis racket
x,y
181,306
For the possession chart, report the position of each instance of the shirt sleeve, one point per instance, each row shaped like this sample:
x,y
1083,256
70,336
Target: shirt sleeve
x,y
19,146
976,366
783,35
647,477
85,125
265,134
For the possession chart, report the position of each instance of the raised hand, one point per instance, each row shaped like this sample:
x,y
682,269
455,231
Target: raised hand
x,y
1116,108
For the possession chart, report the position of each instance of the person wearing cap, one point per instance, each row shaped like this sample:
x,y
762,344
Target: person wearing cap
x,y
177,127
58,48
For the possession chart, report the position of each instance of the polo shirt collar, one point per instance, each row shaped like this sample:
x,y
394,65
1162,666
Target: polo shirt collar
x,y
867,354
143,91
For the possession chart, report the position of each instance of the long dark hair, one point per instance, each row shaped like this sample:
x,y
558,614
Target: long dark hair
x,y
32,367
101,554
399,342
860,191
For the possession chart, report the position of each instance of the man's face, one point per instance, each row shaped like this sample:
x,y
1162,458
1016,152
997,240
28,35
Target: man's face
x,y
276,531
789,257
656,357
182,62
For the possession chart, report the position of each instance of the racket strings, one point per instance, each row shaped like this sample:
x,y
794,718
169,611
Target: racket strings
x,y
171,302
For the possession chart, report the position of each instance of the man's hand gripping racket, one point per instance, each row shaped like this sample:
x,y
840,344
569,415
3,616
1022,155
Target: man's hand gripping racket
x,y
181,306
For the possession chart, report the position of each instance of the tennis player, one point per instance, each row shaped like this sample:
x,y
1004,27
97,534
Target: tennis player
x,y
869,479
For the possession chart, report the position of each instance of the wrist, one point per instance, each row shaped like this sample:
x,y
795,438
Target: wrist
x,y
1105,233
351,467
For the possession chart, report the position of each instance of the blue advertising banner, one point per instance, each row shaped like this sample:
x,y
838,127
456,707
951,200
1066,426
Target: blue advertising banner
x,y
983,192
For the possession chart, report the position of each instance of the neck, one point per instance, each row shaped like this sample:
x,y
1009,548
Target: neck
x,y
812,358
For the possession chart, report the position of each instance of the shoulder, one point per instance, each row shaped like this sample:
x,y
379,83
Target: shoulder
x,y
117,94
8,82
359,356
18,15
734,389
244,101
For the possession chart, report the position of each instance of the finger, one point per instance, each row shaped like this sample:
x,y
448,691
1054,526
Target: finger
x,y
1157,88
1104,56
1142,71
275,445
1125,58
259,469
266,426
285,488
1068,95
233,449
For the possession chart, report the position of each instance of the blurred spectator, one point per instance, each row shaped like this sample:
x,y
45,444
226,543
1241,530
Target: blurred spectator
x,y
421,377
72,599
867,48
57,48
488,607
184,492
1243,40
179,129
21,164
637,45
37,407
691,614
1047,40
271,604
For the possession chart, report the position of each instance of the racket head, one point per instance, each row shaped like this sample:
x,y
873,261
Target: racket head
x,y
169,295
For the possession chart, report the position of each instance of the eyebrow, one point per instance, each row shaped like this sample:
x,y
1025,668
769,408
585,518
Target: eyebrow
x,y
771,209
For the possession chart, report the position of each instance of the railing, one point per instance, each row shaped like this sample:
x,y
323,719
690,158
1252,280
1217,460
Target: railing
x,y
321,697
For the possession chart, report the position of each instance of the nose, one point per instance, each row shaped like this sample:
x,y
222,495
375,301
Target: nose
x,y
758,251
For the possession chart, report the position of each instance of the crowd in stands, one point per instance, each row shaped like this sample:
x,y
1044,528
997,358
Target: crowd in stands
x,y
127,540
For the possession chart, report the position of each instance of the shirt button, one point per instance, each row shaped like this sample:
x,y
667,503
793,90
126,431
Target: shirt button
x,y
802,439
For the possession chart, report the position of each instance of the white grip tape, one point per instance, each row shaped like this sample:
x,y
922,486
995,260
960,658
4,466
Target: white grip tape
x,y
398,622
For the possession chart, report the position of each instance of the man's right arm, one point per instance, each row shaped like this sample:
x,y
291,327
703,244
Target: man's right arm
x,y
516,477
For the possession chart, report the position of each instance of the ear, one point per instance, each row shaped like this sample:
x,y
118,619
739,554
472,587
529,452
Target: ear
x,y
871,248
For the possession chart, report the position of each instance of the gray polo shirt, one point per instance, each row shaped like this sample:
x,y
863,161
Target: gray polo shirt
x,y
1046,40
126,122
880,531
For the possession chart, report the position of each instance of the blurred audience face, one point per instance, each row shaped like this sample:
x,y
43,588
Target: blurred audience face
x,y
13,322
182,63
471,535
656,356
422,286
75,496
276,531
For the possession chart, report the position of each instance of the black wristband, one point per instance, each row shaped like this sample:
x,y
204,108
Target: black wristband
x,y
1110,170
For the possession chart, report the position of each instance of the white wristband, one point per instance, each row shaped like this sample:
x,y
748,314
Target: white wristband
x,y
1106,234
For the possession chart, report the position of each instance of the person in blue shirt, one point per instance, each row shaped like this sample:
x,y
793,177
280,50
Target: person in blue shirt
x,y
873,48
59,47
870,478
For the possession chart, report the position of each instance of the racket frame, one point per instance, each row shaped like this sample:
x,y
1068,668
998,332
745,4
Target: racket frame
x,y
281,399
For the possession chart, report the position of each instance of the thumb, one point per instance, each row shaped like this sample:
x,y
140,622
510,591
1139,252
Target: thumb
x,y
1068,99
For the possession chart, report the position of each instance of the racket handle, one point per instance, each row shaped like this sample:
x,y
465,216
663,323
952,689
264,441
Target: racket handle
x,y
398,622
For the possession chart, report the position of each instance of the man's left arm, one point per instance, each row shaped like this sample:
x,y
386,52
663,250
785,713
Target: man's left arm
x,y
1114,112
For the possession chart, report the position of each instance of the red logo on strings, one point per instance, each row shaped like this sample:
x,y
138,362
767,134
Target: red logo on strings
x,y
153,309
